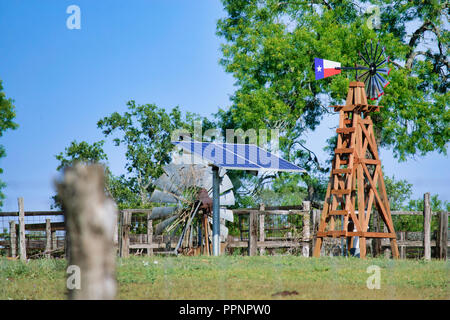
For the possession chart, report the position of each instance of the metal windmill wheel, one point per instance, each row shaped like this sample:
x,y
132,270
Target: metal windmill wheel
x,y
376,65
184,188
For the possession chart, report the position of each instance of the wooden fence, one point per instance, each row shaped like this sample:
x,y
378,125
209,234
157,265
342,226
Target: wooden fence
x,y
256,241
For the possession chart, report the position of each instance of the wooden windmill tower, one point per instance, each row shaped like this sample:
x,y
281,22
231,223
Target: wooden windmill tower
x,y
356,186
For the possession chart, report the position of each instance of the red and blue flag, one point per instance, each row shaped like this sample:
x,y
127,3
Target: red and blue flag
x,y
325,68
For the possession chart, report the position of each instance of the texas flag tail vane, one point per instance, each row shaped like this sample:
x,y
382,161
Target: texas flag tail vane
x,y
371,75
325,68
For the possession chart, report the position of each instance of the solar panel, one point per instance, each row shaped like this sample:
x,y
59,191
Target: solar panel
x,y
237,156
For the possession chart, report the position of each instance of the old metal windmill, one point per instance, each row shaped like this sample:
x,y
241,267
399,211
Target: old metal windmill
x,y
186,191
356,184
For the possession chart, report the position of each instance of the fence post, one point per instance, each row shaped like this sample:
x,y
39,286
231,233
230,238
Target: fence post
x,y
376,242
48,236
441,241
253,233
262,235
387,251
402,246
124,240
149,234
315,226
306,228
12,238
54,240
89,216
426,226
22,244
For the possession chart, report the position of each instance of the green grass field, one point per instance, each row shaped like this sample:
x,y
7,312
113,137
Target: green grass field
x,y
234,277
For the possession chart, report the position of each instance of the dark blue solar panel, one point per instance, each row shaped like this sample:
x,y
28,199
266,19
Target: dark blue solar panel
x,y
238,156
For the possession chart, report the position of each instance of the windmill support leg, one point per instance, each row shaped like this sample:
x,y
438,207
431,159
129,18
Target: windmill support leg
x,y
216,213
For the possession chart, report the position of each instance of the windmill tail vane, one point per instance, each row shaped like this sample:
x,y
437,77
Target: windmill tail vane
x,y
375,65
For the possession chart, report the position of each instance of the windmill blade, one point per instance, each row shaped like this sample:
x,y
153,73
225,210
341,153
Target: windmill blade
x,y
373,93
369,86
386,60
227,199
382,80
223,230
162,197
166,184
379,87
223,233
379,56
371,50
160,227
374,89
363,58
376,49
384,71
162,212
363,75
226,214
225,184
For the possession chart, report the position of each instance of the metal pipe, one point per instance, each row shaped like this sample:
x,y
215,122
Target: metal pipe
x,y
216,211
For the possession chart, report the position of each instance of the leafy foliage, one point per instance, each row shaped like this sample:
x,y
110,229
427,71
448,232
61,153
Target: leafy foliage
x,y
81,152
7,115
269,46
146,132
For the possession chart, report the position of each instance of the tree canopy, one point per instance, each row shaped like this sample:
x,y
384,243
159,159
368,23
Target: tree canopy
x,y
7,115
269,46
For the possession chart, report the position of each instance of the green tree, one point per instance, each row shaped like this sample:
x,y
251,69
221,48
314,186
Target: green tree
x,y
145,131
398,191
415,223
269,46
80,152
7,114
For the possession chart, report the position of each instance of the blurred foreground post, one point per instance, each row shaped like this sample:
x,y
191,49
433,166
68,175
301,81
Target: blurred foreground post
x,y
90,218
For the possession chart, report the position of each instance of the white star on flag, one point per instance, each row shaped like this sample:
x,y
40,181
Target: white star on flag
x,y
319,69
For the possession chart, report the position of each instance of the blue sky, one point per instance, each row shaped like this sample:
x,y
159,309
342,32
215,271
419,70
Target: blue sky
x,y
164,52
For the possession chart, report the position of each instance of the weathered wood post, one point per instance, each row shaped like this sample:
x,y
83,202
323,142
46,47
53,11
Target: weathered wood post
x,y
262,234
90,216
426,226
402,239
54,240
22,244
306,233
149,234
12,238
376,242
48,238
442,238
124,237
315,226
387,251
253,233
